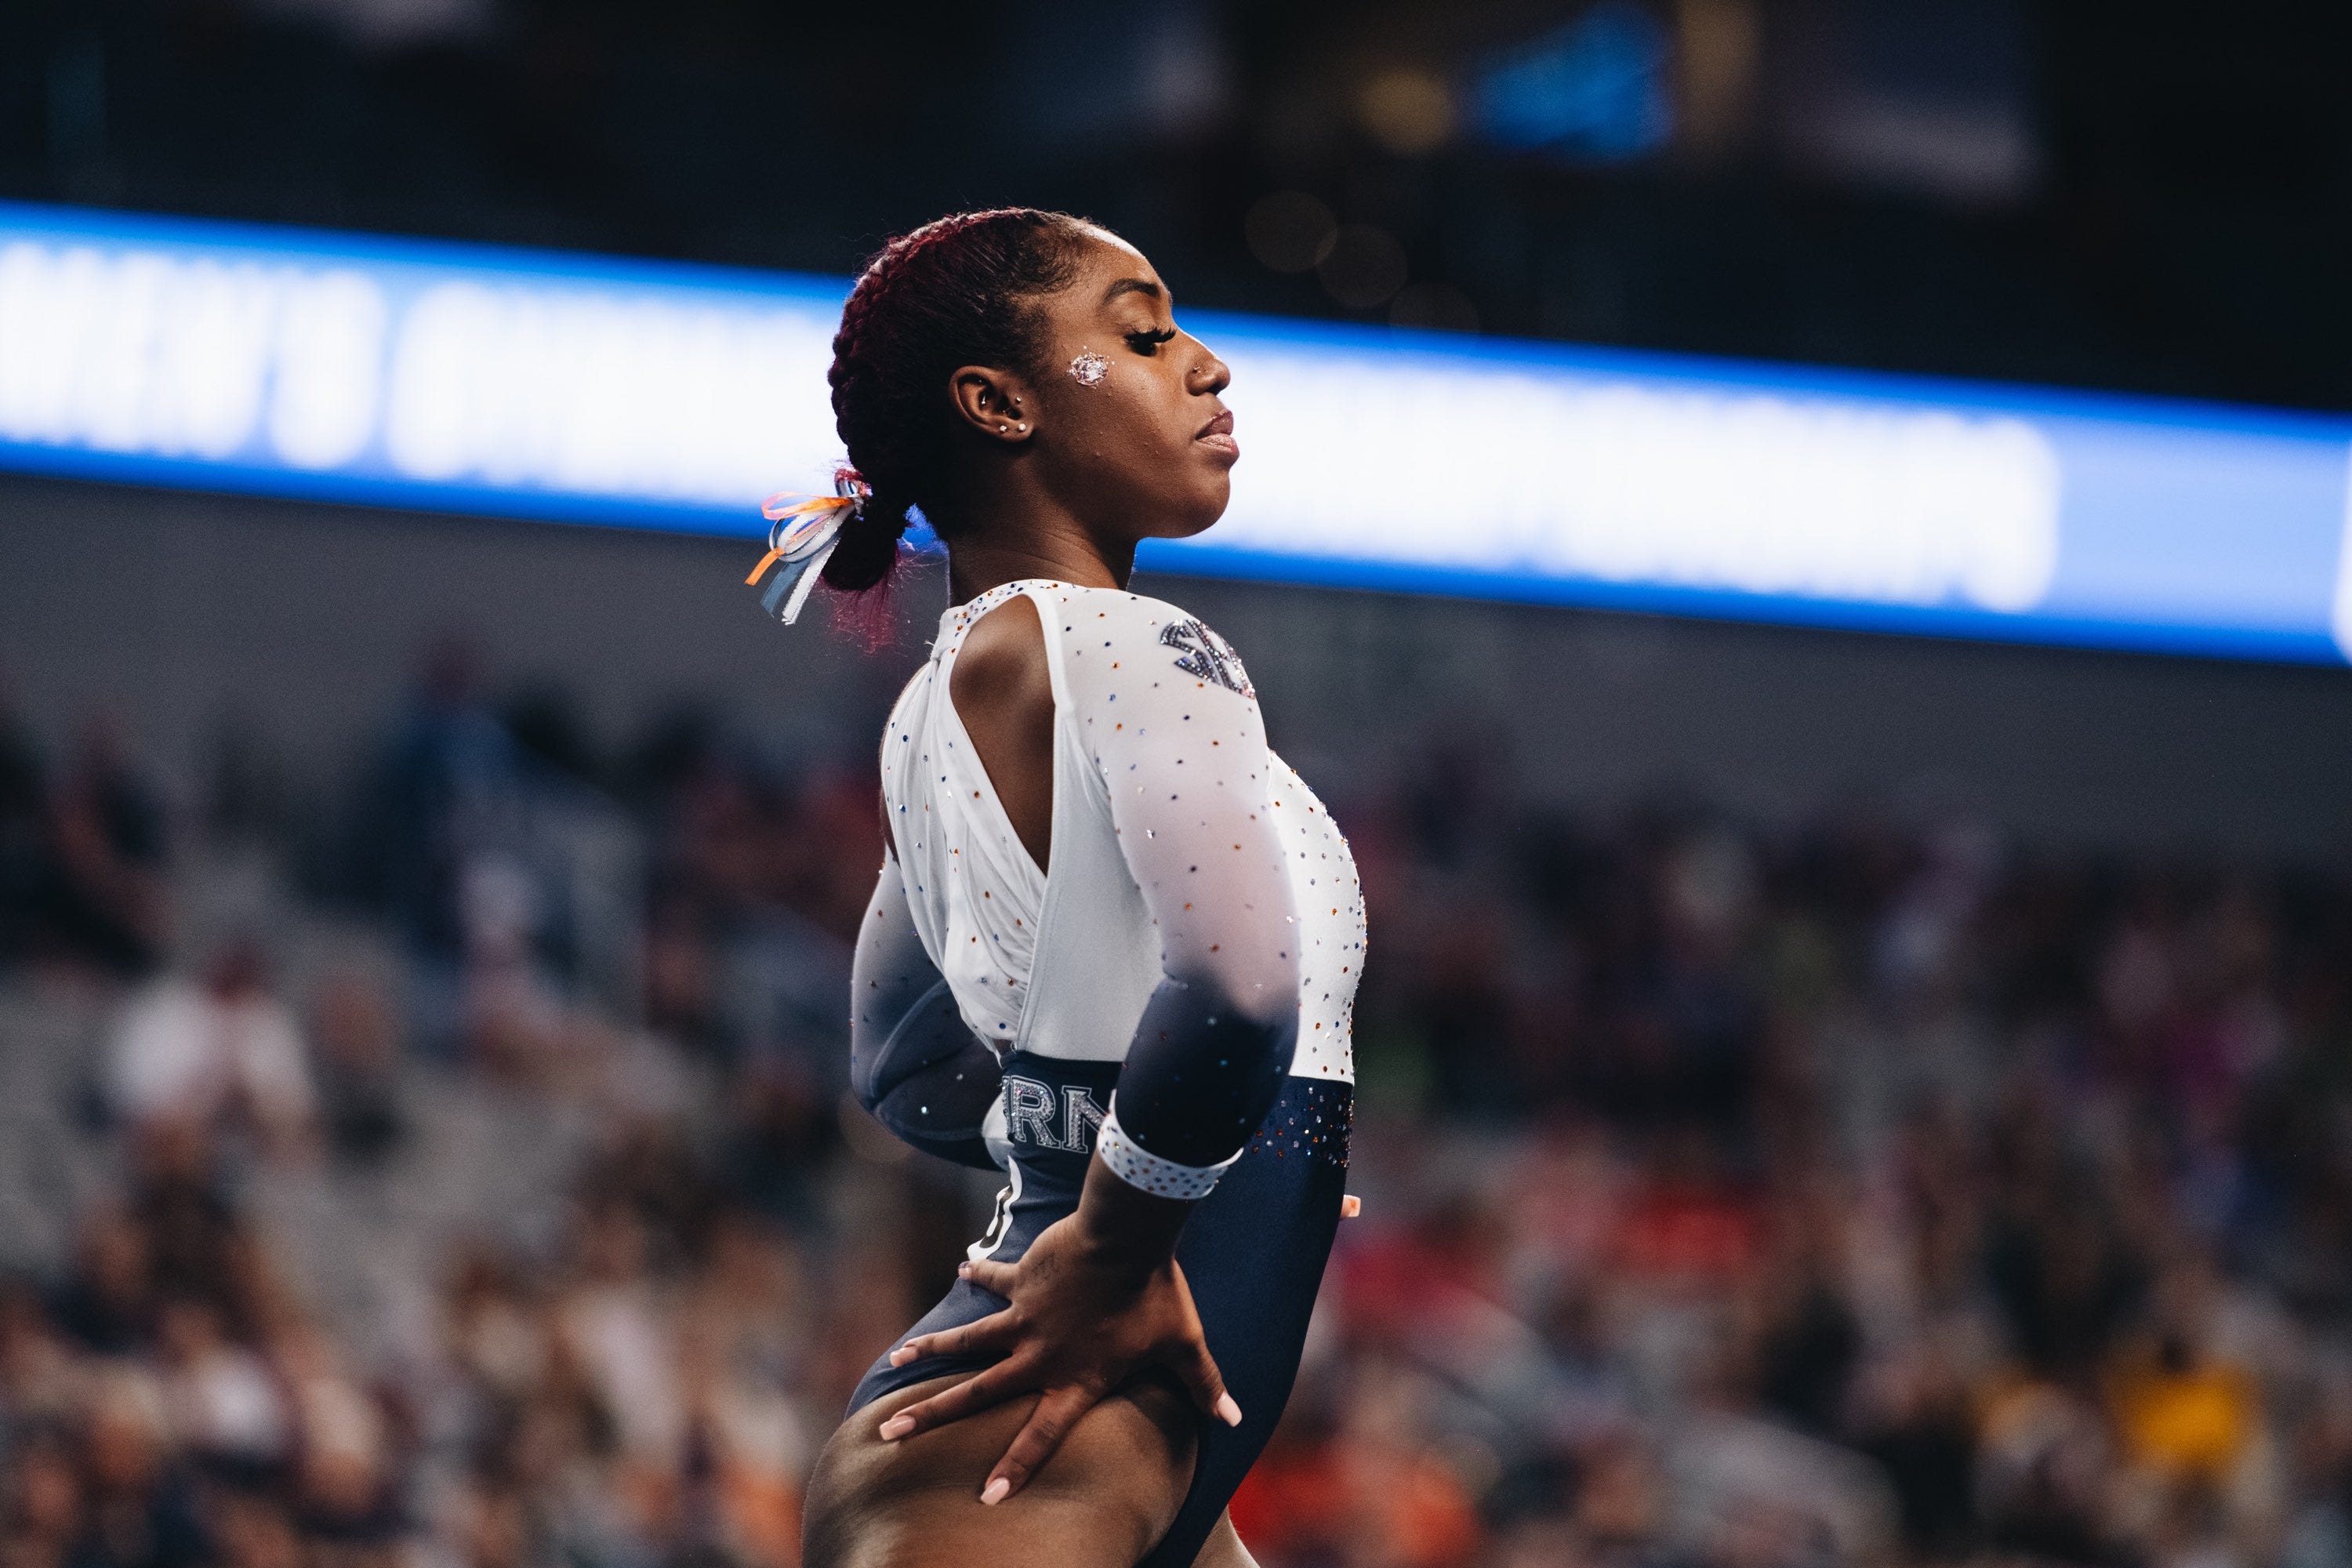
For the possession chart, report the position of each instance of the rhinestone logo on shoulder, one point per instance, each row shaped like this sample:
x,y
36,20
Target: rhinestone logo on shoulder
x,y
1205,654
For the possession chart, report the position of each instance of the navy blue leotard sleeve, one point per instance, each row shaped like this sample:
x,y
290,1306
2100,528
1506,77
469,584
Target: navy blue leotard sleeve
x,y
912,1061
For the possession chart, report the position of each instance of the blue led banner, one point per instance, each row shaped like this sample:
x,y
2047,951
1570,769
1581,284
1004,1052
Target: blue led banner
x,y
398,372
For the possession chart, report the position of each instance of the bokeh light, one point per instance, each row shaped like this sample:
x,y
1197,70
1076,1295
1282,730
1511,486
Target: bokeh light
x,y
1409,112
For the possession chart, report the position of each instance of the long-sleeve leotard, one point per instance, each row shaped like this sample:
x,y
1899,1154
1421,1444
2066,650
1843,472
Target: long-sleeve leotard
x,y
1163,714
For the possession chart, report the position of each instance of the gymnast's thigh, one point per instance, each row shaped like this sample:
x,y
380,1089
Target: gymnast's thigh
x,y
1108,1494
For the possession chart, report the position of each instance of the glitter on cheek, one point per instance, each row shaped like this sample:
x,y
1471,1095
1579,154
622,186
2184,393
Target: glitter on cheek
x,y
1089,368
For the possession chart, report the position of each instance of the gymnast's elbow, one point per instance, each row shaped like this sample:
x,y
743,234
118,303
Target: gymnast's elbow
x,y
1250,1025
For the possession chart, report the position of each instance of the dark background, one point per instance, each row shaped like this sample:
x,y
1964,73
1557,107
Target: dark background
x,y
2151,197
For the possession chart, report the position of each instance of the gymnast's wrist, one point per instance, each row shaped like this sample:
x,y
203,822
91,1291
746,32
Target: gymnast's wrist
x,y
1122,1229
1148,1173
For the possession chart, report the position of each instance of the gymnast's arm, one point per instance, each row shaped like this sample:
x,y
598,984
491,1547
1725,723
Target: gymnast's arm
x,y
1190,778
912,1062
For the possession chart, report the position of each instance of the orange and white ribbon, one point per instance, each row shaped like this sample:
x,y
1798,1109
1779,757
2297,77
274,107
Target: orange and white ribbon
x,y
806,530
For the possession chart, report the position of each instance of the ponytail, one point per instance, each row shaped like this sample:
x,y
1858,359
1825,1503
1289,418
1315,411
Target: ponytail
x,y
867,547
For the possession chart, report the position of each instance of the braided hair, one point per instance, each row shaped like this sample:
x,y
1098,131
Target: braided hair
x,y
952,292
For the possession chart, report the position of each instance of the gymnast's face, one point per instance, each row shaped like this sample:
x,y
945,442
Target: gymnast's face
x,y
1125,422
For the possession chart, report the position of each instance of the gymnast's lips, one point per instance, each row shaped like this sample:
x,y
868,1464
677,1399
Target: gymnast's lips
x,y
1218,434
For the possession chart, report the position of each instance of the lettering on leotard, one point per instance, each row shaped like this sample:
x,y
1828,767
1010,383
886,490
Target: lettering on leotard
x,y
1081,1117
1029,1112
1033,1115
1207,655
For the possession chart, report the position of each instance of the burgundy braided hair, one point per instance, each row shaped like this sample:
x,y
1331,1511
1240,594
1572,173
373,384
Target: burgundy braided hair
x,y
952,292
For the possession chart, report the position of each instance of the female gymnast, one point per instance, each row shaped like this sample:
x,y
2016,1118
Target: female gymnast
x,y
1115,943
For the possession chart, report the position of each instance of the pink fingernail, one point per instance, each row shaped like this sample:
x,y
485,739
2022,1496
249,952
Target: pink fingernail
x,y
897,1428
996,1492
1228,1411
963,1270
902,1355
1351,1206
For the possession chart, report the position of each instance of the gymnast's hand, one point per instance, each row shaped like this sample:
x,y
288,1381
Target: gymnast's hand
x,y
1097,1298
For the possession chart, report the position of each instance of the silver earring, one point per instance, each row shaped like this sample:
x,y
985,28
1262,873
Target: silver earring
x,y
999,427
1023,426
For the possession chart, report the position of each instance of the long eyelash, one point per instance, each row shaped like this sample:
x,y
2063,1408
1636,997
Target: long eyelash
x,y
1144,342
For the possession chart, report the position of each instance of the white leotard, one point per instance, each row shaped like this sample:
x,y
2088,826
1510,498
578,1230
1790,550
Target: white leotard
x,y
1181,845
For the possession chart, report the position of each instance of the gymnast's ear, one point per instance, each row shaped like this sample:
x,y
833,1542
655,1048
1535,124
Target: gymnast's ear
x,y
994,402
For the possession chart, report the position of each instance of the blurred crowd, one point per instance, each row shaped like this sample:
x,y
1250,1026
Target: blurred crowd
x,y
471,1183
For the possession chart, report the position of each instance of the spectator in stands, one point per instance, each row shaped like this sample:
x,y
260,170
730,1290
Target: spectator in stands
x,y
446,793
103,901
23,809
221,1400
220,1052
355,1026
40,1502
142,1502
107,1304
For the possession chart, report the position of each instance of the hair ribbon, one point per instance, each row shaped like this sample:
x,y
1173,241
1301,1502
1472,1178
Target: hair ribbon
x,y
802,532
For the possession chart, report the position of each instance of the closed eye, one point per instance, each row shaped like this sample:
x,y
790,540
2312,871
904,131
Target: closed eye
x,y
1148,343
